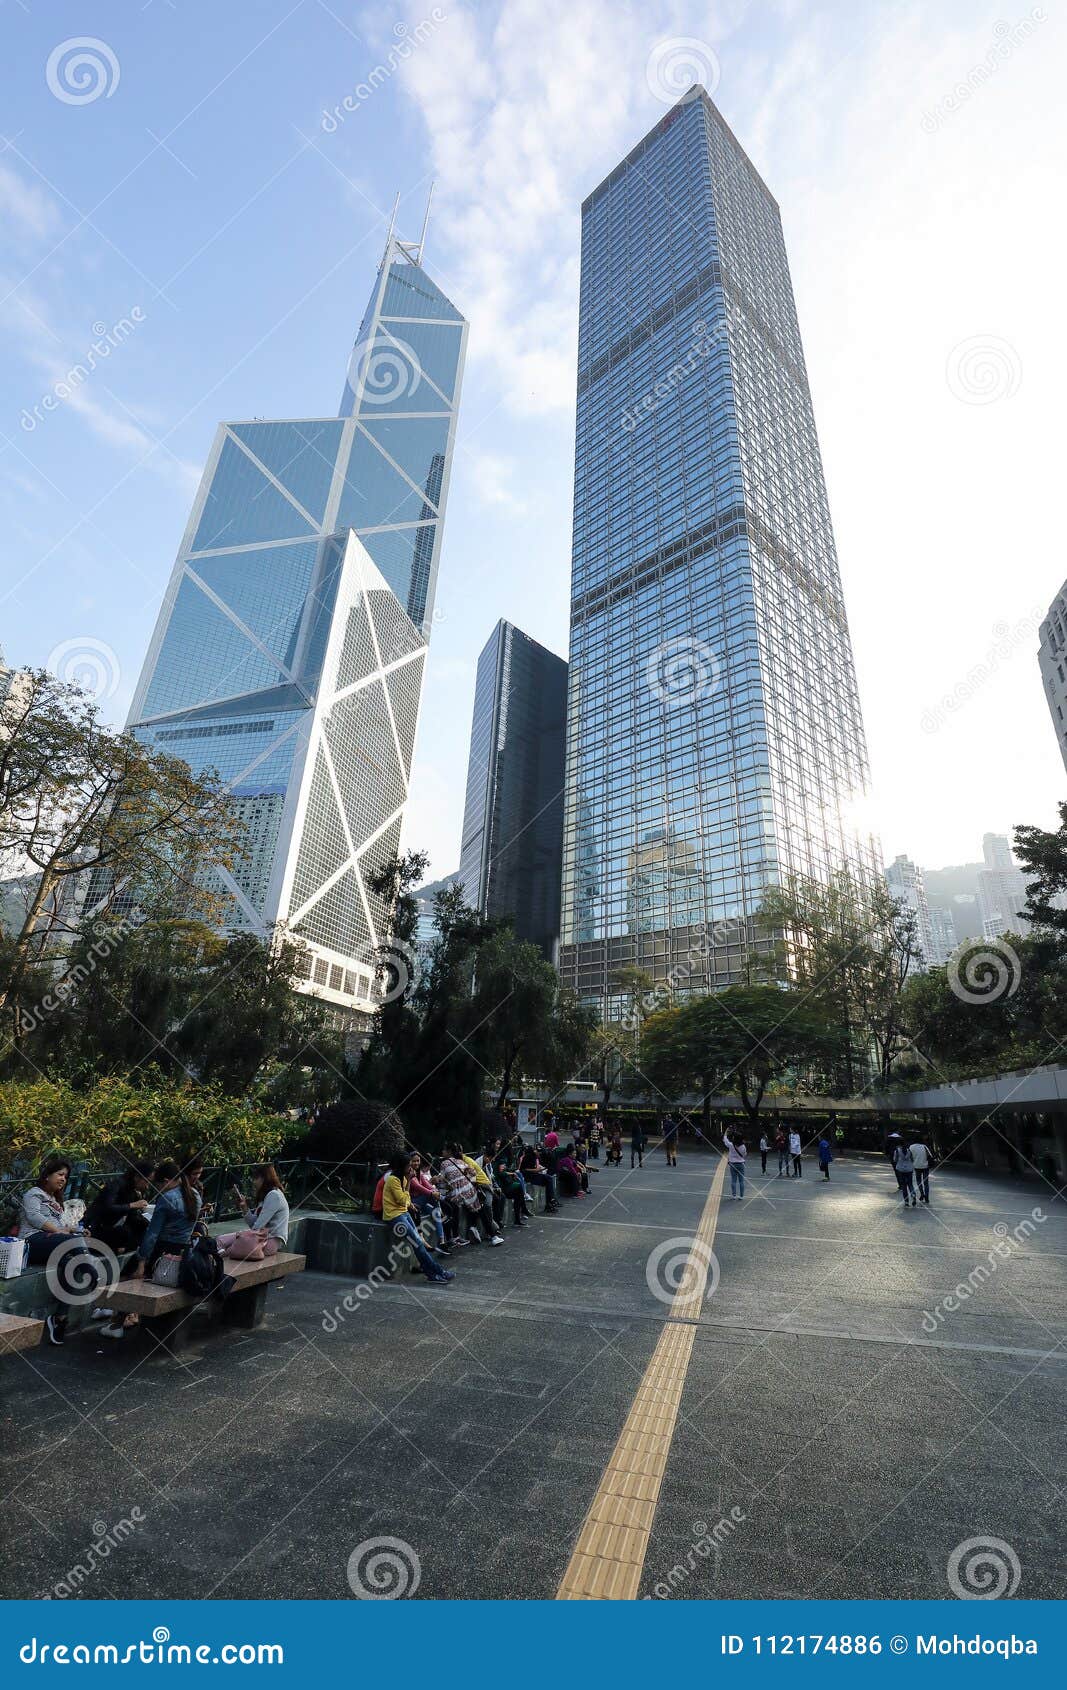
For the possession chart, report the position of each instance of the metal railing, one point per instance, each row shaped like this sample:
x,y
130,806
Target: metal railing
x,y
342,1187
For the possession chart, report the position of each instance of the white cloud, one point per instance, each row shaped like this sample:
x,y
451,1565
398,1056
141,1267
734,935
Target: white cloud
x,y
27,213
489,475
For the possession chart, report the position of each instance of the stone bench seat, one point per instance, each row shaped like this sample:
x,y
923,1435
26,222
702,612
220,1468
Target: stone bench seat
x,y
164,1309
18,1333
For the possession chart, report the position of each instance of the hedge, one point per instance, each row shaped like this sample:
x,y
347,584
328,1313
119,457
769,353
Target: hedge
x,y
115,1120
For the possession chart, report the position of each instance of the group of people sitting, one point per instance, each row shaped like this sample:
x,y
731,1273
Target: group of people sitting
x,y
151,1211
465,1197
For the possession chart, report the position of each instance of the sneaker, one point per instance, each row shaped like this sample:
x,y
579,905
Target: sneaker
x,y
496,1239
56,1327
441,1278
459,1243
103,1314
474,1236
114,1329
441,1250
522,1221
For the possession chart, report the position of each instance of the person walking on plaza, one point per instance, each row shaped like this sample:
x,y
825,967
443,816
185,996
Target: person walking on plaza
x,y
904,1168
826,1156
796,1150
782,1146
764,1147
670,1140
920,1156
736,1156
637,1144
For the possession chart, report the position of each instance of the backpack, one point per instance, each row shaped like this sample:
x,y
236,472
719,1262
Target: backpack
x,y
200,1269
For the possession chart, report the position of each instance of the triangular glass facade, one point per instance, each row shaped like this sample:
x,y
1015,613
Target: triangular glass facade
x,y
290,649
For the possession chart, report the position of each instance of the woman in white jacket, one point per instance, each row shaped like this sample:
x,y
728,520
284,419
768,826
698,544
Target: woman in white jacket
x,y
267,1214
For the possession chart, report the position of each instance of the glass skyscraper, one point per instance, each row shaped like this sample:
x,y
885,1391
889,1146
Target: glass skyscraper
x,y
714,734
289,650
511,856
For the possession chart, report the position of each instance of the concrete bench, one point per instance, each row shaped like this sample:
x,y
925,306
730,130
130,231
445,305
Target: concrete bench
x,y
18,1333
164,1309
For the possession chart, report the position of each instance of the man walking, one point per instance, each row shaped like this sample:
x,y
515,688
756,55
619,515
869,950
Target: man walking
x,y
637,1144
920,1156
670,1140
904,1168
764,1147
782,1148
795,1151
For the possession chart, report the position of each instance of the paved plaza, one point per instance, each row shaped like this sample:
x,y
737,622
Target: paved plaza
x,y
840,1430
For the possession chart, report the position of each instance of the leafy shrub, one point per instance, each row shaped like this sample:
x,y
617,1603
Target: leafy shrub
x,y
115,1121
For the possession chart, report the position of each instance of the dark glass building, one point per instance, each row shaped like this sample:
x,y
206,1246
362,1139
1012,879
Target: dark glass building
x,y
290,648
714,734
511,857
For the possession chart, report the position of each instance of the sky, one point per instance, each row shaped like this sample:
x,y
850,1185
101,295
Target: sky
x,y
202,193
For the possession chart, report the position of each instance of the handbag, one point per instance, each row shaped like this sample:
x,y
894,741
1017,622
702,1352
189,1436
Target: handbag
x,y
246,1247
13,1252
165,1271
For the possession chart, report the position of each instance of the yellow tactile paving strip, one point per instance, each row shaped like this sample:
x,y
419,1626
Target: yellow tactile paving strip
x,y
609,1555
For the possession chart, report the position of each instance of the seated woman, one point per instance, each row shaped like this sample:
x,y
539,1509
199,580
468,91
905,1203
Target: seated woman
x,y
511,1183
177,1208
425,1200
486,1194
396,1212
457,1188
572,1175
41,1224
266,1216
534,1174
116,1214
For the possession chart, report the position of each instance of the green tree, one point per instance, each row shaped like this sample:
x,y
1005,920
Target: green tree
x,y
83,807
765,1035
744,1037
852,947
512,1011
1042,856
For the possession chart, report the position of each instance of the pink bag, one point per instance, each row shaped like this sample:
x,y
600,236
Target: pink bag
x,y
246,1247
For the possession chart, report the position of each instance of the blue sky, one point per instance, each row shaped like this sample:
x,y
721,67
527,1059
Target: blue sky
x,y
201,215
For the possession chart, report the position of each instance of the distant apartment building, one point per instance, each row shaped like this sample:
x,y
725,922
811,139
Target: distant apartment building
x,y
1052,661
512,852
943,936
905,881
1001,889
